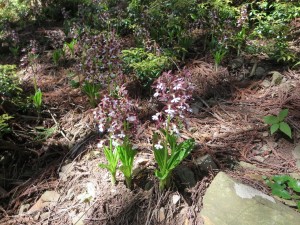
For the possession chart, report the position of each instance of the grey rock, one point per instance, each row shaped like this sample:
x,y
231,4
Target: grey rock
x,y
196,106
186,176
259,72
228,202
236,63
206,163
266,83
276,78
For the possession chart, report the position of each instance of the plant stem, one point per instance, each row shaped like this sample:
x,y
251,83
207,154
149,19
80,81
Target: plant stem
x,y
128,182
113,178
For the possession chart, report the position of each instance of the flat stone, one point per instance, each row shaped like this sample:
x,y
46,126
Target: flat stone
x,y
228,202
206,163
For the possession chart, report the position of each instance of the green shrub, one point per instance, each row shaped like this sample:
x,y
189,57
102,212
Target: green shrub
x,y
9,83
4,127
145,65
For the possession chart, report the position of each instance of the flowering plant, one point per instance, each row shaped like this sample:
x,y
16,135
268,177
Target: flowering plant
x,y
173,91
117,115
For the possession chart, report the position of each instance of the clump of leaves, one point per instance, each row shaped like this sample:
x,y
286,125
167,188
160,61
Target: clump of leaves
x,y
112,157
169,154
9,84
91,89
145,65
4,127
57,55
126,154
286,187
277,123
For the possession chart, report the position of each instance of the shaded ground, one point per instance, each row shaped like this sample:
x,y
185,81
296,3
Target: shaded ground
x,y
226,124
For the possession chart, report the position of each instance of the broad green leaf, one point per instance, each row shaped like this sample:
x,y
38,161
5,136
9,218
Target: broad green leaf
x,y
282,193
271,120
280,179
274,128
160,157
283,113
183,151
294,184
285,128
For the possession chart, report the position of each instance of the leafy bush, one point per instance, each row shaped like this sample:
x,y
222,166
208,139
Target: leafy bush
x,y
146,65
9,83
4,127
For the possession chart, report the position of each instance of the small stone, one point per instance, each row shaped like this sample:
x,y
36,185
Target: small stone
x,y
37,216
236,63
276,78
296,151
206,163
23,208
259,158
78,219
45,215
265,134
298,164
175,199
162,216
259,72
266,83
196,106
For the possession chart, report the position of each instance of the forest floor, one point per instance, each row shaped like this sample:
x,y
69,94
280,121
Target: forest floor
x,y
60,154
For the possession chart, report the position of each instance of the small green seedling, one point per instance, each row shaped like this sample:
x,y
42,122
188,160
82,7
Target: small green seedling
x,y
92,91
277,123
38,99
218,57
56,56
112,157
167,160
126,154
285,187
71,46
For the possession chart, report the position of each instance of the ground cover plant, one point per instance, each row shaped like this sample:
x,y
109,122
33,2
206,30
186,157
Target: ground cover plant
x,y
141,93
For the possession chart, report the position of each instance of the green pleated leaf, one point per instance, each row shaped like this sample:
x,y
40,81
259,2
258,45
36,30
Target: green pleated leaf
x,y
280,179
282,193
298,205
274,128
271,120
294,184
285,128
283,114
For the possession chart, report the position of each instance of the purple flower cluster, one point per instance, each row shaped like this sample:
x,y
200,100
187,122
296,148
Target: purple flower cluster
x,y
99,54
116,114
173,91
243,16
